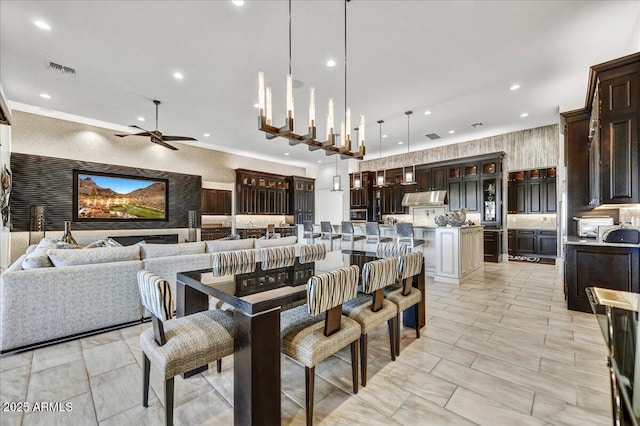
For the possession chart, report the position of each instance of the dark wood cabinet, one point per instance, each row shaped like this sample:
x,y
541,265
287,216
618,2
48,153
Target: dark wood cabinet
x,y
526,242
532,191
492,246
216,202
511,242
463,189
214,233
268,194
617,268
431,179
532,242
302,196
547,243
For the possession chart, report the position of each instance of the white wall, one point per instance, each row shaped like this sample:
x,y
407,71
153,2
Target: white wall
x,y
332,206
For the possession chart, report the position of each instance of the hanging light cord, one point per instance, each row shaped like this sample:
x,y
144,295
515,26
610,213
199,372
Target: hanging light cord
x,y
345,60
380,138
289,36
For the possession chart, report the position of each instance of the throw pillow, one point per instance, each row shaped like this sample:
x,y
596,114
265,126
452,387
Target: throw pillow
x,y
38,258
96,255
95,244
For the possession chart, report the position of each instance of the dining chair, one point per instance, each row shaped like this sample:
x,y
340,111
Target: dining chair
x,y
269,254
405,233
313,332
308,232
373,233
312,252
176,346
406,296
349,234
384,250
371,310
233,257
326,232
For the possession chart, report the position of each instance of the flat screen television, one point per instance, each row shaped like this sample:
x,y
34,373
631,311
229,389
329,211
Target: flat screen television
x,y
113,197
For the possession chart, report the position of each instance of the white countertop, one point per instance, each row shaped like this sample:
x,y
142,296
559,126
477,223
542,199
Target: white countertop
x,y
593,242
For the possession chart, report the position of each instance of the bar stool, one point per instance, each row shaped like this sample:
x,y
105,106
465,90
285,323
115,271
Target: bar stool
x,y
405,233
326,231
373,233
348,233
308,232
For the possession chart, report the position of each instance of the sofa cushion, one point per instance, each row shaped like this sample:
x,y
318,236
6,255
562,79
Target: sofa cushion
x,y
229,245
107,242
161,250
275,242
62,257
38,258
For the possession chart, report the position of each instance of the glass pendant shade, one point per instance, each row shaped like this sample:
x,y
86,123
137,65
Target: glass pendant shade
x,y
337,185
357,181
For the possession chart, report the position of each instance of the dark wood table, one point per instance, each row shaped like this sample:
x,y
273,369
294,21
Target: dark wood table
x,y
258,297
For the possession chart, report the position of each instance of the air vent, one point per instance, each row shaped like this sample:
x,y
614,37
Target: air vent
x,y
63,69
476,125
433,136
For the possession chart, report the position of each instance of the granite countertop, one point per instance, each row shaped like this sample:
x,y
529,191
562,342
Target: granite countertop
x,y
594,242
493,230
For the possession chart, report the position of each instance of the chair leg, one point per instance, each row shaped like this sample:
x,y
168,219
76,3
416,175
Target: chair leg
x,y
219,365
146,370
355,348
417,327
309,380
398,334
392,337
168,401
363,359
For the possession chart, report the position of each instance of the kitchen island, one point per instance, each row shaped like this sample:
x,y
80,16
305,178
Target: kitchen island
x,y
592,263
459,252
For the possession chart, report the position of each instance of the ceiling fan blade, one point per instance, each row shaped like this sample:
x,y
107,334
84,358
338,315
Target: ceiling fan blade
x,y
137,127
135,134
177,138
160,142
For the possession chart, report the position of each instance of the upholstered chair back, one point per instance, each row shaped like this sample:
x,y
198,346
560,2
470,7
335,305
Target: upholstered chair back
x,y
155,293
409,265
234,269
390,250
312,252
331,289
235,257
271,254
379,274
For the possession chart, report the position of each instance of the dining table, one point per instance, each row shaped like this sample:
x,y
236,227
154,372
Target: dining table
x,y
258,293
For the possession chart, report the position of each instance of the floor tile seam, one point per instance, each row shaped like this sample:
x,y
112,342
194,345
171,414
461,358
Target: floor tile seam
x,y
540,347
503,360
93,402
501,404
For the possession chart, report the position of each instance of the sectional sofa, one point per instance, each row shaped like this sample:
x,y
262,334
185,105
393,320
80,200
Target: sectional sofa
x,y
51,294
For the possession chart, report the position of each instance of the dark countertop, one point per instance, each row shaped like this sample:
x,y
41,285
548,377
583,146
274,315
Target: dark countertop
x,y
594,242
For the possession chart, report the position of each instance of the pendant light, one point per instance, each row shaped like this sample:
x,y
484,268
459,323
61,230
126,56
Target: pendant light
x,y
408,172
357,178
337,181
381,176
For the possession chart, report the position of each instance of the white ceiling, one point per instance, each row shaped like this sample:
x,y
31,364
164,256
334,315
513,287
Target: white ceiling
x,y
454,58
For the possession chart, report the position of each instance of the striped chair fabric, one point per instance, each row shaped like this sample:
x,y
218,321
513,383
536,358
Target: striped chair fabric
x,y
409,265
326,291
390,250
282,252
234,269
278,263
236,257
155,293
379,274
312,252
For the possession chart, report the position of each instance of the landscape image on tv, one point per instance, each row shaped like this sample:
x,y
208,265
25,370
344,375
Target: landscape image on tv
x,y
117,197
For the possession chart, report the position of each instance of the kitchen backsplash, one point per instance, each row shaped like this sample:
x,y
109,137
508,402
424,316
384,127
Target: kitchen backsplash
x,y
261,221
531,221
627,214
216,220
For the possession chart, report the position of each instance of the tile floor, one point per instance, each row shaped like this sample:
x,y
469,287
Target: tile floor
x,y
499,349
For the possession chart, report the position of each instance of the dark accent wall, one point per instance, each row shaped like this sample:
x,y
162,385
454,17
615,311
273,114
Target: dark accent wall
x,y
48,181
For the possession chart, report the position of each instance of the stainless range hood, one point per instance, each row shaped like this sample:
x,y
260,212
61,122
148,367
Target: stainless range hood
x,y
429,198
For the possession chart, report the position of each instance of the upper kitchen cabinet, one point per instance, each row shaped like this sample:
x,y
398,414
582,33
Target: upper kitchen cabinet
x,y
532,191
302,199
216,202
601,140
431,179
263,193
463,186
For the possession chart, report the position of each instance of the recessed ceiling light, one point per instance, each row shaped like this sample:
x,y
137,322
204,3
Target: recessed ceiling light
x,y
206,135
141,119
178,75
319,161
256,105
427,113
42,25
238,2
400,143
384,136
514,86
45,96
331,63
451,132
524,114
286,154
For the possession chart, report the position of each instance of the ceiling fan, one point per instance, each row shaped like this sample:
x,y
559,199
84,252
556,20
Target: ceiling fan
x,y
156,136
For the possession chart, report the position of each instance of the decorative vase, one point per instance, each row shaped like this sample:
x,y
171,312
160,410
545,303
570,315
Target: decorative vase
x,y
67,237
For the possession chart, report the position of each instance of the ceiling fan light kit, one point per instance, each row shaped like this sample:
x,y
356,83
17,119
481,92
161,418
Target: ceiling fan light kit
x,y
156,135
335,143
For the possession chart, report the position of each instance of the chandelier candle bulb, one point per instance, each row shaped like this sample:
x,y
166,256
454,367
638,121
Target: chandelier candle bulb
x,y
268,108
343,136
289,89
361,132
347,128
312,107
261,95
330,119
